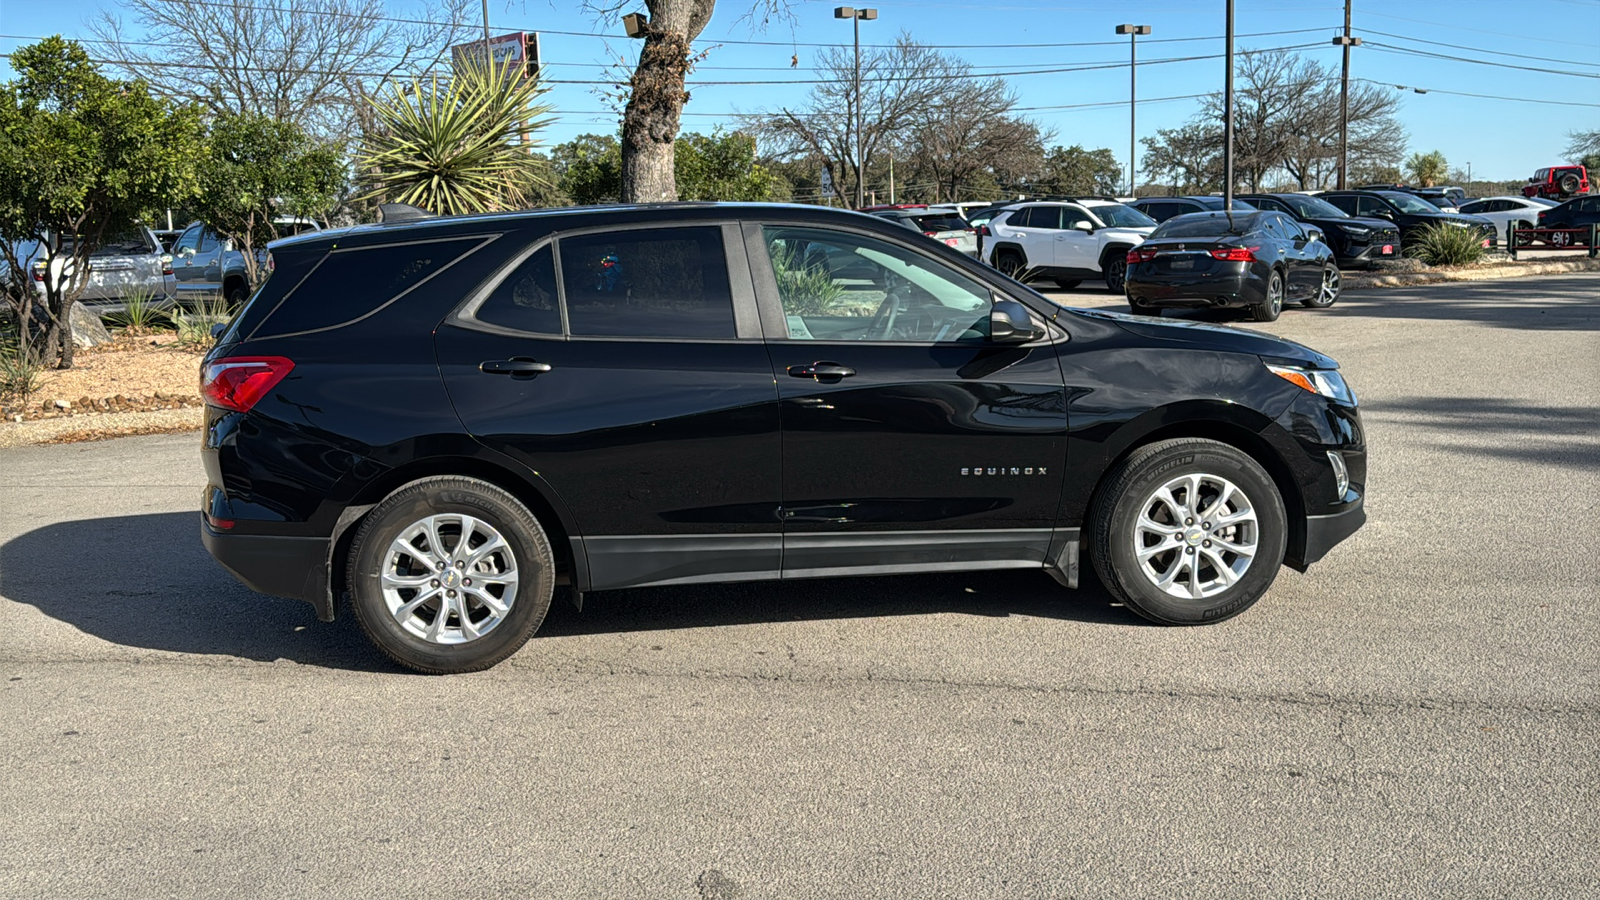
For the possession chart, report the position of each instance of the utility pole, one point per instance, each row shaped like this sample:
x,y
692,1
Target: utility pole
x,y
891,176
487,56
1227,117
1133,32
856,15
1345,42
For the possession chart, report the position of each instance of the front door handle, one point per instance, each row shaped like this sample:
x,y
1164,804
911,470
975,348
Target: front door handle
x,y
514,367
821,370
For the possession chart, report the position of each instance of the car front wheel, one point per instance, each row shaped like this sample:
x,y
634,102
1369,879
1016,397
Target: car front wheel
x,y
450,574
1328,292
1188,532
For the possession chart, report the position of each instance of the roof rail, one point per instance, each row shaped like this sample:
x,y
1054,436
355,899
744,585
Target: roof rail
x,y
401,212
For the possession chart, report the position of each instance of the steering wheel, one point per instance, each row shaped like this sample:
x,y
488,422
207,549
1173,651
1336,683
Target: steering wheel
x,y
883,320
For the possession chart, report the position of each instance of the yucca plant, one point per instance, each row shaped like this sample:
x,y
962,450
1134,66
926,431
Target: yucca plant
x,y
20,370
194,327
454,145
141,314
806,289
1446,245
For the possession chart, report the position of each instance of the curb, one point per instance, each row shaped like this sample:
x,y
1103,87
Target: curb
x,y
1360,280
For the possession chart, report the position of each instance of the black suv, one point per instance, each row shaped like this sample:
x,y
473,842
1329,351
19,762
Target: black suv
x,y
445,419
1408,212
1355,242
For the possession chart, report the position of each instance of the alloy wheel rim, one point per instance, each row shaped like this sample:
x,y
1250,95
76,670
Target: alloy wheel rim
x,y
1275,294
449,578
1330,286
1117,272
1196,536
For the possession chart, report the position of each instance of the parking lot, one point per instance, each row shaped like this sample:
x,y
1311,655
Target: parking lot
x,y
1418,715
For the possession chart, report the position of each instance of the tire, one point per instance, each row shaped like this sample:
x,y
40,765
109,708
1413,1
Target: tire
x,y
1067,284
1010,263
235,294
422,638
1115,265
1328,292
1568,183
1267,310
1132,492
1560,239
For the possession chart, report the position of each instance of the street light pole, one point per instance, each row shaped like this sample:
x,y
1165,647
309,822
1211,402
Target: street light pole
x,y
1227,117
856,15
1133,32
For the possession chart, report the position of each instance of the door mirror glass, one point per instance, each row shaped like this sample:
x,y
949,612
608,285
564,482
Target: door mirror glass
x,y
1010,323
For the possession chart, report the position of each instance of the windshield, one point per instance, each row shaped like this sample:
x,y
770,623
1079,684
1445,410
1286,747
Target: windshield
x,y
1204,225
1410,204
1119,216
1312,207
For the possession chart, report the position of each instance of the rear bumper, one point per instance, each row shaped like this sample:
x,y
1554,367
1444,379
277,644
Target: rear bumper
x,y
281,566
1210,289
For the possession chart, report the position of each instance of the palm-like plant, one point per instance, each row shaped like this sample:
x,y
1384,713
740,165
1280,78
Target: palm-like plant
x,y
455,145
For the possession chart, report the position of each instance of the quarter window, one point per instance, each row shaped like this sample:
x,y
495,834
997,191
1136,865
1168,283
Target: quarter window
x,y
846,287
349,284
526,300
650,283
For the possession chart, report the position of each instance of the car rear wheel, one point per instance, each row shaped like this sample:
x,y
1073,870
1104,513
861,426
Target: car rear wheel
x,y
1560,238
1188,532
1009,262
1268,309
1328,293
450,574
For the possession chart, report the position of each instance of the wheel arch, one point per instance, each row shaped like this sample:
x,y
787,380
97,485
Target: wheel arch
x,y
1002,246
1106,252
540,499
1238,427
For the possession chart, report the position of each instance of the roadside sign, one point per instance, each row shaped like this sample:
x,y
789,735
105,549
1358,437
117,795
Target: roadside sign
x,y
520,49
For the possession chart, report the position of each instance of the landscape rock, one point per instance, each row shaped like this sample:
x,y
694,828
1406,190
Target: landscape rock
x,y
87,329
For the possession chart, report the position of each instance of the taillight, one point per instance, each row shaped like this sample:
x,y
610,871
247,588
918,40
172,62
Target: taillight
x,y
238,383
1141,254
166,270
38,274
930,233
983,231
1235,254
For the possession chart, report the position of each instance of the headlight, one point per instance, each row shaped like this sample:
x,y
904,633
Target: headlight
x,y
1356,230
1327,382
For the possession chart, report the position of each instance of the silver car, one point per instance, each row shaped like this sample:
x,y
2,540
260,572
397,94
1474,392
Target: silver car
x,y
943,224
128,265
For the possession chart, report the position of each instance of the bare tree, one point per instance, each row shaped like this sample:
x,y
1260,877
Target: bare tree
x,y
908,93
309,62
1190,156
966,137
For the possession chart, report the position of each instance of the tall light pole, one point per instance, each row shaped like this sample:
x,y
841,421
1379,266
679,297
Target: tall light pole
x,y
1345,41
1133,32
1227,116
856,15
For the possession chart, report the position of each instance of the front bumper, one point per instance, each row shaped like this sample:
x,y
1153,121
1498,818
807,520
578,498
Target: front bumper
x,y
1323,533
277,565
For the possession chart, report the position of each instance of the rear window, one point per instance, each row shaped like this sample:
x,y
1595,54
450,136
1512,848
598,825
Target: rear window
x,y
942,223
1204,225
349,284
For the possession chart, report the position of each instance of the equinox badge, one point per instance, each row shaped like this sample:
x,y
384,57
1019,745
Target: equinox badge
x,y
1002,470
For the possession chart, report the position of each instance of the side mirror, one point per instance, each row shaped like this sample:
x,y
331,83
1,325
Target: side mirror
x,y
1083,225
1010,323
228,246
1313,234
186,252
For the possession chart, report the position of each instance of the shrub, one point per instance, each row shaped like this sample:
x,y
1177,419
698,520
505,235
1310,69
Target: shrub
x,y
141,314
1447,245
20,370
806,289
194,326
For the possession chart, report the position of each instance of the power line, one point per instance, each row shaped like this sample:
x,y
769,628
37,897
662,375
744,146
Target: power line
x,y
1479,96
1499,34
1390,48
1570,62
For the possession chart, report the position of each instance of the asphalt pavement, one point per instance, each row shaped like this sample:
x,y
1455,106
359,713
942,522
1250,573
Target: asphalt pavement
x,y
1419,715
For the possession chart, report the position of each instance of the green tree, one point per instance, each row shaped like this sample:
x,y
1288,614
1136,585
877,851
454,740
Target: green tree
x,y
457,145
82,158
259,169
1427,169
588,168
723,166
1074,170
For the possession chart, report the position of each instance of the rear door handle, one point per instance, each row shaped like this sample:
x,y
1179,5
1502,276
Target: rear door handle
x,y
514,367
821,370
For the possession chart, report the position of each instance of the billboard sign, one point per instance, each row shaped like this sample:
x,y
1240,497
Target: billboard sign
x,y
519,49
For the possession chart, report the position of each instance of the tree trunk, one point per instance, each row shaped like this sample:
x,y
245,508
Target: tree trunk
x,y
656,98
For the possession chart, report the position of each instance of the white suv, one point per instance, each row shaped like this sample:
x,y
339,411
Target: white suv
x,y
1067,241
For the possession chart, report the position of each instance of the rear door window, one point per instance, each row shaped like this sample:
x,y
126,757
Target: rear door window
x,y
526,300
648,283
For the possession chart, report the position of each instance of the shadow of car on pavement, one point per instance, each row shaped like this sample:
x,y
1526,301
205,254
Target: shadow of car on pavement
x,y
146,582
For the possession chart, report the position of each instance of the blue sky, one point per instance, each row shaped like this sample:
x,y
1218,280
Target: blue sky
x,y
1503,139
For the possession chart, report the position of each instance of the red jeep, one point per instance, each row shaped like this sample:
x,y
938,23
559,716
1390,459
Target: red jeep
x,y
1557,183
